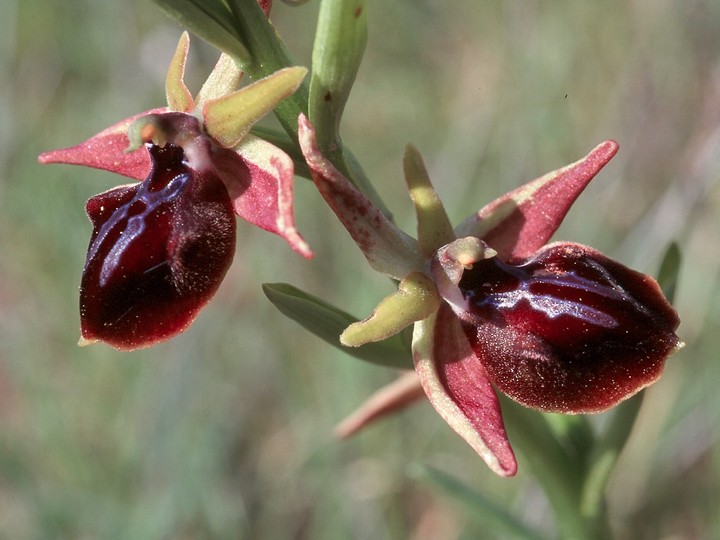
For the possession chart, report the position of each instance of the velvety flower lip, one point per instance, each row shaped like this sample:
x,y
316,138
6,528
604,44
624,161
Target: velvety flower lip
x,y
569,330
161,247
158,252
557,327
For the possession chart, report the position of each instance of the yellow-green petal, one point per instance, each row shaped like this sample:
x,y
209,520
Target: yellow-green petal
x,y
434,228
223,80
415,299
178,96
229,118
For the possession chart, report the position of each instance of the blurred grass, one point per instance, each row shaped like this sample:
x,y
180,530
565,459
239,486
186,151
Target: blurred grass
x,y
225,432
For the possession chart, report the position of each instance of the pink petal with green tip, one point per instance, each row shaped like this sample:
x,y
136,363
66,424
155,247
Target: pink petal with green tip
x,y
388,249
519,223
259,178
404,391
458,387
106,151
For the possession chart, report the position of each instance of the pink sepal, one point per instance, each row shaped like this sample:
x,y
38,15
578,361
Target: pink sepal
x,y
106,151
259,179
457,385
520,222
388,249
404,391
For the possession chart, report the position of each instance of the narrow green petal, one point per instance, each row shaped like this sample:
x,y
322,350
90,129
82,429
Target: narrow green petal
x,y
229,118
178,96
223,80
434,228
415,299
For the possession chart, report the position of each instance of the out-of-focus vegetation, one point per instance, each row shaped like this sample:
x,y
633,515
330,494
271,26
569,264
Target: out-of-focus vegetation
x,y
226,431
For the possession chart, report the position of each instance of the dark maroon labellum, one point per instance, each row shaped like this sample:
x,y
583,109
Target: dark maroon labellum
x,y
158,252
569,330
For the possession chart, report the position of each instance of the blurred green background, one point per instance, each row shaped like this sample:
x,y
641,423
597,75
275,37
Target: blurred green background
x,y
226,431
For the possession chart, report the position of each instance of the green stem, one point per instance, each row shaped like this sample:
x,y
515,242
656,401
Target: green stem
x,y
482,509
559,473
603,458
241,29
339,46
573,432
269,54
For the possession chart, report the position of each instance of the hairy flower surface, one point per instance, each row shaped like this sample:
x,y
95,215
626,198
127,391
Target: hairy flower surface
x,y
556,327
158,252
161,247
569,330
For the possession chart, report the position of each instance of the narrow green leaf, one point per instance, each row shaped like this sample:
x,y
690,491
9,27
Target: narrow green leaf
x,y
328,322
573,431
670,270
493,517
604,456
210,21
555,470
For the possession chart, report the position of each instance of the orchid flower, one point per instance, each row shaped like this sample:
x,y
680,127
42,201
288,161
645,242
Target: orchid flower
x,y
160,247
558,327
